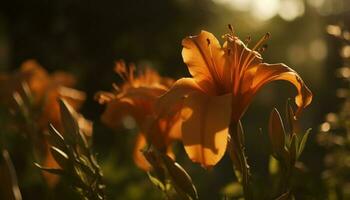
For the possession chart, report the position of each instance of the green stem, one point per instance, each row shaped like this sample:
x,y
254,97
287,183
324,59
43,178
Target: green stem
x,y
239,159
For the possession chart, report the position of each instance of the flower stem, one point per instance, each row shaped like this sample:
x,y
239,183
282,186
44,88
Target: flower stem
x,y
239,159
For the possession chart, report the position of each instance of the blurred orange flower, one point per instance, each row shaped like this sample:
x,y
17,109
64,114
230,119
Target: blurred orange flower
x,y
136,97
44,90
223,84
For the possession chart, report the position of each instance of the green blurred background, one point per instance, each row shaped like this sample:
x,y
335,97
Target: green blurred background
x,y
87,37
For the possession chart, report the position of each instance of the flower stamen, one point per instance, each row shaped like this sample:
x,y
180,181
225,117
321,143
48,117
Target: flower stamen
x,y
231,29
255,49
248,40
261,41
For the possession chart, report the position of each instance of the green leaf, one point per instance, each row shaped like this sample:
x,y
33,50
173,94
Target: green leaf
x,y
8,184
290,116
284,196
273,166
152,157
156,182
70,125
60,156
235,142
240,132
180,177
303,142
277,134
56,139
59,172
293,150
233,189
85,170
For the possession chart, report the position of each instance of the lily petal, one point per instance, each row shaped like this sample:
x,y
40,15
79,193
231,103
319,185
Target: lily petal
x,y
136,102
265,73
175,129
116,110
139,159
205,60
170,102
205,127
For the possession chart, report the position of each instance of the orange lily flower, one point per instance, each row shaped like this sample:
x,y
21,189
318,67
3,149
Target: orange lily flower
x,y
136,98
45,89
224,82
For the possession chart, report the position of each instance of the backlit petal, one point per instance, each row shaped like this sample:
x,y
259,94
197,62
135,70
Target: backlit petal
x,y
136,102
116,110
175,129
264,73
205,60
170,102
205,127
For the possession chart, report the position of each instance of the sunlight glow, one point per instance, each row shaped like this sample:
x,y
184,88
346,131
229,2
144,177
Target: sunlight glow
x,y
318,49
296,54
240,5
316,3
265,9
291,9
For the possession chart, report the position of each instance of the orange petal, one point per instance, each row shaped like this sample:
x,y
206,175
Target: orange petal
x,y
175,129
63,78
116,110
205,127
205,60
170,102
37,78
137,102
265,73
143,95
139,159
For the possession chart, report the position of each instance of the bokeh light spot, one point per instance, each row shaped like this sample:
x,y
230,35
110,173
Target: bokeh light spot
x,y
318,49
291,9
325,127
129,122
264,9
296,54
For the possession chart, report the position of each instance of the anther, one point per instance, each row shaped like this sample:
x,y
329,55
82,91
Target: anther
x,y
115,87
208,41
261,41
263,48
230,28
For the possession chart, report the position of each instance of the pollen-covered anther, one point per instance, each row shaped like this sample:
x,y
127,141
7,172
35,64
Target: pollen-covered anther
x,y
231,29
261,41
208,41
263,48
